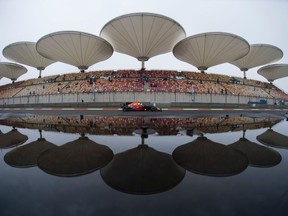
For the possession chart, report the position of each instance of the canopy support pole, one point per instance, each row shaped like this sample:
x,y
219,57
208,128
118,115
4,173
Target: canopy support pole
x,y
142,65
40,71
142,59
244,74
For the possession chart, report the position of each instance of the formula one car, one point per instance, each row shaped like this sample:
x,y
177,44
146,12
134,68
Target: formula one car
x,y
137,106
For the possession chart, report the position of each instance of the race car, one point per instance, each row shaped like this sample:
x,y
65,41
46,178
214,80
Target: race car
x,y
137,106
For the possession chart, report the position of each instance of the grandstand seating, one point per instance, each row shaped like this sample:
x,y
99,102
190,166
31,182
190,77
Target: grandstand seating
x,y
143,80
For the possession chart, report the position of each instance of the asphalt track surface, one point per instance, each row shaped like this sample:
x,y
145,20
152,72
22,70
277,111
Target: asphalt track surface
x,y
183,113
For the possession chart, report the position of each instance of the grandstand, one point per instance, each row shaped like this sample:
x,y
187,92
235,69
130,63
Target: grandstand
x,y
161,86
82,50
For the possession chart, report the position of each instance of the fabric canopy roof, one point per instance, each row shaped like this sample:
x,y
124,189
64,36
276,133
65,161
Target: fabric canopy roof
x,y
11,70
273,72
209,49
259,54
143,35
26,53
75,48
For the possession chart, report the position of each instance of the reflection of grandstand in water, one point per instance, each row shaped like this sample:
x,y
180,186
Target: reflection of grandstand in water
x,y
79,157
203,156
258,155
27,155
142,170
109,125
273,138
12,138
222,124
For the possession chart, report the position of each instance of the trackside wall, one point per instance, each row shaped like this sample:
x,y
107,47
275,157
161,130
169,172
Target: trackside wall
x,y
158,97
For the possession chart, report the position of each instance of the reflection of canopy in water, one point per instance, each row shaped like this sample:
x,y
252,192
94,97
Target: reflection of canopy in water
x,y
273,138
257,155
12,138
142,170
75,158
145,130
27,155
206,157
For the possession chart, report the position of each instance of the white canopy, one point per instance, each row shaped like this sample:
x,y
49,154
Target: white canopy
x,y
143,35
259,54
273,72
11,70
26,53
75,48
209,49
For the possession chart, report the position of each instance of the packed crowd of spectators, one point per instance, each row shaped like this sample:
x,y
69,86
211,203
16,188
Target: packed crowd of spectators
x,y
141,80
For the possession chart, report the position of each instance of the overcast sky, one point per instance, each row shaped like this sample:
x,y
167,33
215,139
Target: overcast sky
x,y
257,21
